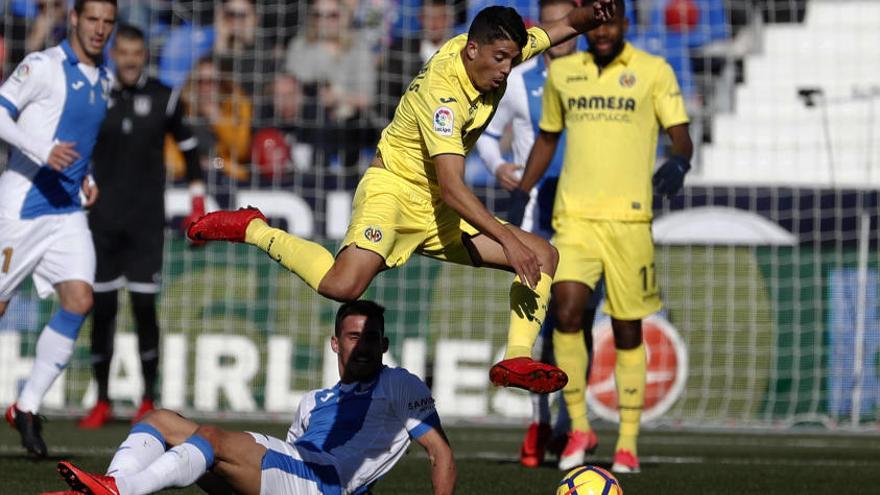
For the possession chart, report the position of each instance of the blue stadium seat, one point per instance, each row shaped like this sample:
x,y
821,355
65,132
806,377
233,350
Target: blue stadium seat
x,y
184,46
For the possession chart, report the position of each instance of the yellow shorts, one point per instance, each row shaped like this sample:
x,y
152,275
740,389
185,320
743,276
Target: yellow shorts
x,y
393,218
623,251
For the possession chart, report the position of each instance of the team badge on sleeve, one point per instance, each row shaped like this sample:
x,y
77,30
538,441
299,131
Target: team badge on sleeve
x,y
444,119
22,72
373,234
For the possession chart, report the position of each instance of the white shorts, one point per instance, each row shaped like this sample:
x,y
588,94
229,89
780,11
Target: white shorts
x,y
286,473
52,248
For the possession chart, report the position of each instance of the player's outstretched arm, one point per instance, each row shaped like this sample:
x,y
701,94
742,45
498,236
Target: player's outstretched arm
x,y
580,20
456,194
443,474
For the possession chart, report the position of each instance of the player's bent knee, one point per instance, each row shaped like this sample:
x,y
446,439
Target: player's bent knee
x,y
213,435
79,301
569,316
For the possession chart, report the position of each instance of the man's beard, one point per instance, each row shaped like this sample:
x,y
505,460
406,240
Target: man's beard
x,y
603,60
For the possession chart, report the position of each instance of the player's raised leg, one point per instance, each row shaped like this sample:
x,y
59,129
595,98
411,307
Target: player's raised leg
x,y
528,308
344,278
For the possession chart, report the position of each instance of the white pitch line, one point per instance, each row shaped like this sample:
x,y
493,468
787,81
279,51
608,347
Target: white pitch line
x,y
770,461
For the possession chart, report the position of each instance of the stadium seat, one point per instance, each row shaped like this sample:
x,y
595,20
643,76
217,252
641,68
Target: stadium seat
x,y
184,46
773,136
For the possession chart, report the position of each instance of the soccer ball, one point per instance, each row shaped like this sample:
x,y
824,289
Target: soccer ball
x,y
589,480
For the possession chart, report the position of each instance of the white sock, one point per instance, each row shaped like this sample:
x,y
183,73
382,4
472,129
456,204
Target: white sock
x,y
143,445
181,466
54,348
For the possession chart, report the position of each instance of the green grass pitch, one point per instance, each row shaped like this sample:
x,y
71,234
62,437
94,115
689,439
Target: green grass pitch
x,y
673,462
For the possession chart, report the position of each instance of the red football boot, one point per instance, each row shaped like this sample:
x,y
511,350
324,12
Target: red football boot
x,y
98,416
625,462
224,225
88,483
146,406
534,445
528,374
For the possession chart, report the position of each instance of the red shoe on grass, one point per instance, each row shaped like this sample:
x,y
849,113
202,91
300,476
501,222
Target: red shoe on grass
x,y
534,445
83,482
100,414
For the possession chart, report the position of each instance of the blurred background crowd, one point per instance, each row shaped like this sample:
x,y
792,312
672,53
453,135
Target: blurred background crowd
x,y
275,89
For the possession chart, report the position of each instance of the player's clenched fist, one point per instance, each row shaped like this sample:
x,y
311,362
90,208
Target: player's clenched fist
x,y
604,10
62,156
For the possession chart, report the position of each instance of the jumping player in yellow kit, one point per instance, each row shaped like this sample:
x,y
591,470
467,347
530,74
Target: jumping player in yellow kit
x,y
413,198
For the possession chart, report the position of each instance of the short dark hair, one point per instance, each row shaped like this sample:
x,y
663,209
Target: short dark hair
x,y
547,3
498,23
130,32
78,5
374,312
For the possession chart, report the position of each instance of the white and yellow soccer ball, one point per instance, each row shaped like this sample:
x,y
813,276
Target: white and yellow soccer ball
x,y
589,480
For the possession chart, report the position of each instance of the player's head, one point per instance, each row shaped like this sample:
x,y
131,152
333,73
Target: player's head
x,y
359,340
129,52
437,19
495,40
607,41
91,23
552,11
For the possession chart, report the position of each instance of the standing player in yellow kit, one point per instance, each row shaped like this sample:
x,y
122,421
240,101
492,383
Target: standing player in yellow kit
x,y
611,102
413,198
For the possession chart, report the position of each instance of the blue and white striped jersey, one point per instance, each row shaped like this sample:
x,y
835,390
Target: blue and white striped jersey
x,y
363,428
53,97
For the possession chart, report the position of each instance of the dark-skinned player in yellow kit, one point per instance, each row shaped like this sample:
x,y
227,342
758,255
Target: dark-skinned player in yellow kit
x,y
413,197
611,101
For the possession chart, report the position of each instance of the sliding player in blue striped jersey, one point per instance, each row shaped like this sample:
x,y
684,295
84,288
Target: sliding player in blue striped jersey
x,y
342,440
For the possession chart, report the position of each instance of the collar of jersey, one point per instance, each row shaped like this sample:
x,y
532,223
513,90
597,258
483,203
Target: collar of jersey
x,y
624,58
469,90
68,50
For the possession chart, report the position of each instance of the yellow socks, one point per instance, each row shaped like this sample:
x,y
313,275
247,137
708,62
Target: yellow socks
x,y
629,373
571,356
527,311
308,260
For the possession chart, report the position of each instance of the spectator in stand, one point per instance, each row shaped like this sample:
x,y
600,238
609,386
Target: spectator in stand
x,y
283,114
49,27
336,67
221,113
238,48
407,55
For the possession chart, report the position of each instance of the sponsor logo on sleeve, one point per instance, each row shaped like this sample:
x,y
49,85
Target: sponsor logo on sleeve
x,y
444,119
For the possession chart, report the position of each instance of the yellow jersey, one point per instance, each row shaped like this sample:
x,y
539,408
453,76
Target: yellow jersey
x,y
612,119
442,112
